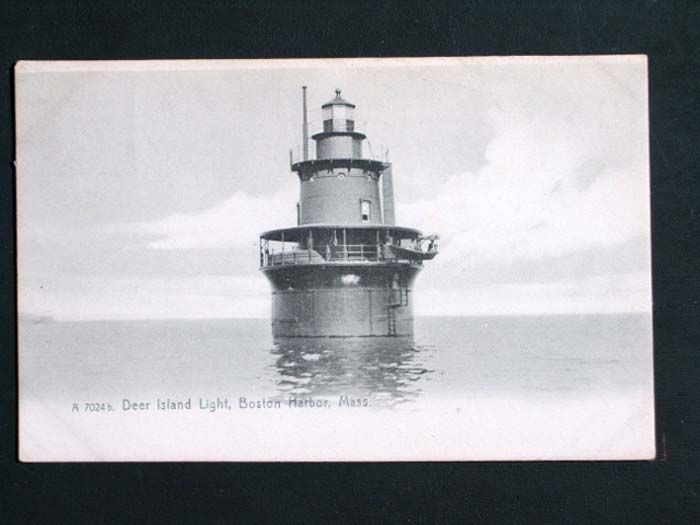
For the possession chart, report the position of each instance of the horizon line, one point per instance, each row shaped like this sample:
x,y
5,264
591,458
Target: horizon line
x,y
39,319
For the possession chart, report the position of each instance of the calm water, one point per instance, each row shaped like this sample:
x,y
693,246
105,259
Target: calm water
x,y
475,356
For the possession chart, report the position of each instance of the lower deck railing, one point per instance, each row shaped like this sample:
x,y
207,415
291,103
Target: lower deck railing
x,y
330,253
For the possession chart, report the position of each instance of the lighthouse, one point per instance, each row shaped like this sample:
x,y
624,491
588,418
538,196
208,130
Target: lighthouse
x,y
346,269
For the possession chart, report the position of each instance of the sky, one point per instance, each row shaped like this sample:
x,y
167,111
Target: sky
x,y
142,186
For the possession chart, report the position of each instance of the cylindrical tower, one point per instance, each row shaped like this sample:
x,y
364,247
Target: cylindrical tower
x,y
342,271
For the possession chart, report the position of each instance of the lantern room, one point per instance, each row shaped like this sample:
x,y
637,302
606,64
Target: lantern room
x,y
338,114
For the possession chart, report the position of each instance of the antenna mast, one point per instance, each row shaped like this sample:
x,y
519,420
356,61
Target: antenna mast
x,y
306,127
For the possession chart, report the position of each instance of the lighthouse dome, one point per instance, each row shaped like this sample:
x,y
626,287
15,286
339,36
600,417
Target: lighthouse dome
x,y
338,101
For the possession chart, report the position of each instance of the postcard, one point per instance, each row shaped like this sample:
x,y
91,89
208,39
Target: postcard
x,y
402,259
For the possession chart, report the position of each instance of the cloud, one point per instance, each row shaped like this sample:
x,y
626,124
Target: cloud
x,y
546,190
540,194
233,223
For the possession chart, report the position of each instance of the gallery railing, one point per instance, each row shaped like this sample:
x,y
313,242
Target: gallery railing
x,y
334,253
353,252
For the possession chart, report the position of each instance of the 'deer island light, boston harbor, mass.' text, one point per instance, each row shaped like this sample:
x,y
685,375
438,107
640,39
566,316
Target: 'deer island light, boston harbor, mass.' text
x,y
452,261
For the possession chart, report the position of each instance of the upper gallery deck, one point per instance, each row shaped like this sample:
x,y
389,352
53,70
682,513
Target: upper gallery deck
x,y
344,244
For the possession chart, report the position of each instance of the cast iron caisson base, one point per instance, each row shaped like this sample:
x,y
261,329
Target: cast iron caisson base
x,y
351,301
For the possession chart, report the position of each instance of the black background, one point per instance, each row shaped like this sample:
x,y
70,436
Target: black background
x,y
662,491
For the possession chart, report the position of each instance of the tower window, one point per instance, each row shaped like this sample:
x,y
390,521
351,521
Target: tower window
x,y
364,210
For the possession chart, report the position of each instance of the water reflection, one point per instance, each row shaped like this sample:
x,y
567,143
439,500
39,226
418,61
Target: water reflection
x,y
387,370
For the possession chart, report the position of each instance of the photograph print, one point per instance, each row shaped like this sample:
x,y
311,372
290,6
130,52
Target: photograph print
x,y
334,260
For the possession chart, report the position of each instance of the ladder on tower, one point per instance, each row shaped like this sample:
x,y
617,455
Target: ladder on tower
x,y
404,296
391,318
399,297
